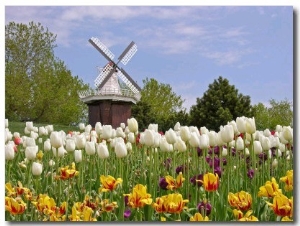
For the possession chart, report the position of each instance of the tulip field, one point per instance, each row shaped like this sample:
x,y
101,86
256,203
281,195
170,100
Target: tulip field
x,y
100,173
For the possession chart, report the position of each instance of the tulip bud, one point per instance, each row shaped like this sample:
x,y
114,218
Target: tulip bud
x,y
120,150
37,169
56,139
257,147
78,155
241,124
171,136
265,143
70,145
132,125
149,137
9,152
177,126
81,126
239,144
212,137
102,150
98,128
131,137
90,148
80,141
29,126
47,145
287,133
107,132
227,133
204,141
31,151
180,145
185,133
194,140
250,125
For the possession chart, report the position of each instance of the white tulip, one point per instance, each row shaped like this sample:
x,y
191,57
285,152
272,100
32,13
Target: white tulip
x,y
204,141
56,139
107,132
31,151
81,126
122,125
70,145
98,128
274,141
241,124
287,133
121,150
157,137
132,125
120,132
224,151
153,127
149,137
267,133
180,145
30,142
42,131
165,145
16,134
47,145
204,130
59,152
129,146
88,129
37,169
227,133
240,144
247,152
274,163
102,150
171,136
185,133
257,147
9,152
29,126
51,162
212,138
234,126
49,128
90,148
26,131
194,140
78,155
177,126
265,143
131,137
278,128
80,141
250,125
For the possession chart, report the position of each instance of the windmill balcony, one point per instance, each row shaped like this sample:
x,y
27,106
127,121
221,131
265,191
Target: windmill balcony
x,y
109,93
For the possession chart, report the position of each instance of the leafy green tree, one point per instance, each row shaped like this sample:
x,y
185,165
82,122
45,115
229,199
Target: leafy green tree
x,y
279,113
38,86
220,104
159,103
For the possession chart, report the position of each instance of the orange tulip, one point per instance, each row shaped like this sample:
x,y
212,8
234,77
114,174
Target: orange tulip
x,y
66,173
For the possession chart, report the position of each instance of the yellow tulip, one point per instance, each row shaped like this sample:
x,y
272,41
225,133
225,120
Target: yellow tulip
x,y
241,200
14,206
270,189
139,197
282,205
66,173
199,217
109,183
288,180
210,181
174,184
174,203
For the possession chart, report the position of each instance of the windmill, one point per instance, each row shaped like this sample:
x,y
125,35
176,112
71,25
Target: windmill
x,y
108,103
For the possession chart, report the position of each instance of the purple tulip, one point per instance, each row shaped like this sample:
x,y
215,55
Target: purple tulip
x,y
204,208
197,177
250,173
163,183
127,213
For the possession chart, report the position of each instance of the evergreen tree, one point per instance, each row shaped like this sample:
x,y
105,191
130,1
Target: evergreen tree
x,y
220,104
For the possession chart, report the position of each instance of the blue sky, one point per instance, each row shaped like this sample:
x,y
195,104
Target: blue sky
x,y
186,47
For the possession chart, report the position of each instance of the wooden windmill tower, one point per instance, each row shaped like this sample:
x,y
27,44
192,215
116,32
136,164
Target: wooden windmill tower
x,y
109,103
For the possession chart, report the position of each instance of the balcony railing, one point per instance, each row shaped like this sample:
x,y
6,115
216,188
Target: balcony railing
x,y
110,92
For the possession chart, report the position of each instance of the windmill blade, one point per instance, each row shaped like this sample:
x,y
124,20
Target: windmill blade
x,y
102,48
128,81
128,53
103,75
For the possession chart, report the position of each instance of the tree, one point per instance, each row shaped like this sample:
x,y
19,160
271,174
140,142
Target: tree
x,y
158,104
220,104
38,86
279,113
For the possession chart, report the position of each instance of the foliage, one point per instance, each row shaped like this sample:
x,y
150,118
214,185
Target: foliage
x,y
220,104
279,113
38,86
159,102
